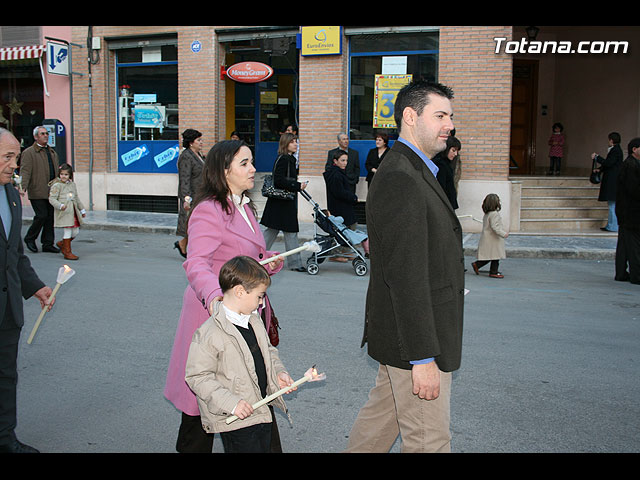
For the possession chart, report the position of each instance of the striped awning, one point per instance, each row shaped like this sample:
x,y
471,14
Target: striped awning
x,y
20,53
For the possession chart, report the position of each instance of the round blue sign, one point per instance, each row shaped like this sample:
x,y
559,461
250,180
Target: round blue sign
x,y
196,46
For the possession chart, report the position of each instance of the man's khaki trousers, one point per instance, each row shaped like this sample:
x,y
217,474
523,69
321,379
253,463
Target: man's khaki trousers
x,y
393,409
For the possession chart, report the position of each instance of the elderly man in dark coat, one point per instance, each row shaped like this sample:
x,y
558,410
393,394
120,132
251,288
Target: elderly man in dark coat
x,y
628,213
414,306
18,280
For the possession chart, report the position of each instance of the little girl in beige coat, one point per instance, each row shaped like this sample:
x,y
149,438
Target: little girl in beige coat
x,y
491,243
69,211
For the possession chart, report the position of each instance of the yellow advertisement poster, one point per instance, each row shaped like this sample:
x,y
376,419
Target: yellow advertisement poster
x,y
321,40
386,89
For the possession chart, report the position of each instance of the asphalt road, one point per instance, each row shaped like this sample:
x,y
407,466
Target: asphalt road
x,y
550,359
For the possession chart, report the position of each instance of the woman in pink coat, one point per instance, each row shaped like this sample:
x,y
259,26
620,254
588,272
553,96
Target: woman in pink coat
x,y
222,225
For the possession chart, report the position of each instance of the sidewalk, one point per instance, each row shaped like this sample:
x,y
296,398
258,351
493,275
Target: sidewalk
x,y
592,246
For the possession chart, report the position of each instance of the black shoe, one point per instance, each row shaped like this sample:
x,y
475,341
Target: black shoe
x,y
17,447
299,269
177,245
31,245
50,249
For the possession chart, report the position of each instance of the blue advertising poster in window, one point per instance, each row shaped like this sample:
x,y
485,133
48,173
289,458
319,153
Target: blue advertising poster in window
x,y
148,156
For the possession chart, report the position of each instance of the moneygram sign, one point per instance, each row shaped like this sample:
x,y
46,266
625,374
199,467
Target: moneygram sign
x,y
249,72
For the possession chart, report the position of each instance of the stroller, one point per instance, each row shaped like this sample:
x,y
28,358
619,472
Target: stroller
x,y
338,236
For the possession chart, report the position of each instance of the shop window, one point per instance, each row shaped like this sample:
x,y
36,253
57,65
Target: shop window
x,y
148,136
417,55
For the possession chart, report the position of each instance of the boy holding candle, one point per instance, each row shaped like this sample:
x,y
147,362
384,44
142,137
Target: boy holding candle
x,y
217,371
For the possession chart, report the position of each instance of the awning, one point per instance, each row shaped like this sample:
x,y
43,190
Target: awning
x,y
20,53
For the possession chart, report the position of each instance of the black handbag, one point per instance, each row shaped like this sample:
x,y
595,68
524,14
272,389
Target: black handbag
x,y
270,191
595,177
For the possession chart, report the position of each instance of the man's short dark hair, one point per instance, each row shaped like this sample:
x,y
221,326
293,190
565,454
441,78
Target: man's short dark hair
x,y
416,96
634,143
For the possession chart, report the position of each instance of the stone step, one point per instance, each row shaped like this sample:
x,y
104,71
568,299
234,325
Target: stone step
x,y
547,191
561,201
552,181
561,225
563,212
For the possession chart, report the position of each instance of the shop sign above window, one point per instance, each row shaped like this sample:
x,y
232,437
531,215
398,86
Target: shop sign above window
x,y
321,40
249,72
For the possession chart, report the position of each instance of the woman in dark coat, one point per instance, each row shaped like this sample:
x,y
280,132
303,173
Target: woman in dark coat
x,y
446,175
340,198
610,167
190,165
282,215
375,155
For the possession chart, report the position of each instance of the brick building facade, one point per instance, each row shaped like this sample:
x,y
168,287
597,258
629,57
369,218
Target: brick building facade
x,y
465,59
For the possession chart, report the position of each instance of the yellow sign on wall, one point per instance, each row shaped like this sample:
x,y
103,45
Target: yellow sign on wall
x,y
322,40
386,89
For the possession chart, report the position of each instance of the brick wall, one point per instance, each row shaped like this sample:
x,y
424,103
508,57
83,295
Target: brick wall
x,y
323,108
481,82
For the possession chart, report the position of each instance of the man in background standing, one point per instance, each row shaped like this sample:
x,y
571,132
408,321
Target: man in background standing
x,y
38,166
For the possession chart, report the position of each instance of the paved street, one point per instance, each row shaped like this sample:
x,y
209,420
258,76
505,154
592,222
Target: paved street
x,y
550,357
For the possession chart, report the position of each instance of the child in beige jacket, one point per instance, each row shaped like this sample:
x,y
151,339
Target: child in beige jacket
x,y
218,372
69,210
491,243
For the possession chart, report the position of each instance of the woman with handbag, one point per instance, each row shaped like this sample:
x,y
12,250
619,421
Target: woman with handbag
x,y
281,214
609,168
221,225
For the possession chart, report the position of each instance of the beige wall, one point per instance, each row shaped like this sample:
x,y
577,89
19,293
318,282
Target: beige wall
x,y
590,94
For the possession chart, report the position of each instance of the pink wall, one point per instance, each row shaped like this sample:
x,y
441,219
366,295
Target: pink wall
x,y
58,103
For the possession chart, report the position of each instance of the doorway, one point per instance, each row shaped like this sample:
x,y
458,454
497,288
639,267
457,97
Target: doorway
x,y
523,117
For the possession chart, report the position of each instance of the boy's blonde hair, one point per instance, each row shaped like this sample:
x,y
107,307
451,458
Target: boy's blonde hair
x,y
245,271
491,202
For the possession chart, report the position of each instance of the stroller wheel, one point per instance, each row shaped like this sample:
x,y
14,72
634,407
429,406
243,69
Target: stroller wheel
x,y
360,267
312,268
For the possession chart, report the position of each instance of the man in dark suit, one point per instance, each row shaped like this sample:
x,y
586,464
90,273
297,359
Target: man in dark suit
x,y
414,305
628,213
353,164
18,279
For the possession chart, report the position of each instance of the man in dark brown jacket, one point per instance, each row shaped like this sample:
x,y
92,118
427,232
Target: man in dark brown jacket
x,y
414,306
38,166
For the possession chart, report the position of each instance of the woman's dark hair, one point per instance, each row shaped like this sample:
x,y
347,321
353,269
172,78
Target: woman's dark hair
x,y
491,202
557,125
614,137
337,154
65,167
214,180
452,142
383,136
189,136
245,271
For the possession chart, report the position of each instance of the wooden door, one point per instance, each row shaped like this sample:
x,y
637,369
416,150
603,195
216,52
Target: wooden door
x,y
523,117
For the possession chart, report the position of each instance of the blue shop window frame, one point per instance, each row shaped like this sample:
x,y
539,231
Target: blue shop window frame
x,y
148,156
152,156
